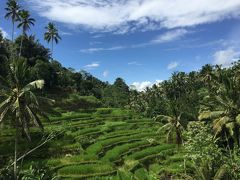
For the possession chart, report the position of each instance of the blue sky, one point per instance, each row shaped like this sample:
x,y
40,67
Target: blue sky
x,y
142,41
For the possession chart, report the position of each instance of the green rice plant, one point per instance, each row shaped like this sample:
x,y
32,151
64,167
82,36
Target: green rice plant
x,y
104,111
122,133
87,169
155,168
176,158
142,174
150,151
115,153
98,146
123,175
82,158
85,131
54,162
69,116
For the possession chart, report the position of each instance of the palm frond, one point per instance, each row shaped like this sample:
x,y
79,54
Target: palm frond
x,y
162,118
4,113
219,123
34,117
210,115
38,84
238,119
222,171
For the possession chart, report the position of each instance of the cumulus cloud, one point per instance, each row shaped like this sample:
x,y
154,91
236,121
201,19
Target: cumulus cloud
x,y
124,16
105,73
225,57
92,65
4,33
172,65
141,86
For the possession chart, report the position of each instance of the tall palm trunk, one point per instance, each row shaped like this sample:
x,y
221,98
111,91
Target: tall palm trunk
x,y
52,50
15,153
20,52
13,26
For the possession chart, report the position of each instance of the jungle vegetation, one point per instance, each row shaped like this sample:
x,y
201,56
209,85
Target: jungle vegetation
x,y
186,127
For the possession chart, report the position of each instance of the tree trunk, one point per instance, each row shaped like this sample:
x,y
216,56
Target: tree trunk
x,y
1,127
15,153
13,25
52,50
20,52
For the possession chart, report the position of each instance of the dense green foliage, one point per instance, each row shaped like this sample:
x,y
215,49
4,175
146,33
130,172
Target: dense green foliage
x,y
60,79
187,127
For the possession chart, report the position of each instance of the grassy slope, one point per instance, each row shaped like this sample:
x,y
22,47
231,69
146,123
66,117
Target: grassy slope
x,y
98,145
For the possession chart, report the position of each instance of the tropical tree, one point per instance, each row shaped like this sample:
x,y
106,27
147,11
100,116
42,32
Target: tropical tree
x,y
25,22
225,117
173,126
19,102
12,13
52,34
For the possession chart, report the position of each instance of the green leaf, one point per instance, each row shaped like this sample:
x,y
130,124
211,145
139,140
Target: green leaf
x,y
238,119
210,115
162,118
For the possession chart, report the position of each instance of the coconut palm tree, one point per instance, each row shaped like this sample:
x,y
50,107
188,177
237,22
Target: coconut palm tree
x,y
20,103
25,22
173,126
206,171
12,13
226,115
52,35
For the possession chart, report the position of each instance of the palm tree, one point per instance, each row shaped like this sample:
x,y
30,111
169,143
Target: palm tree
x,y
20,103
12,13
25,22
172,125
226,115
206,171
207,76
52,34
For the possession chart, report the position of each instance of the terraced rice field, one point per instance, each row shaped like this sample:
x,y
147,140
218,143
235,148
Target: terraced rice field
x,y
103,146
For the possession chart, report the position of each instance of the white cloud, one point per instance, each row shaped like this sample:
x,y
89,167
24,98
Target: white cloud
x,y
92,65
170,36
135,63
124,16
141,86
225,57
172,65
158,81
105,73
4,33
63,33
164,38
92,50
